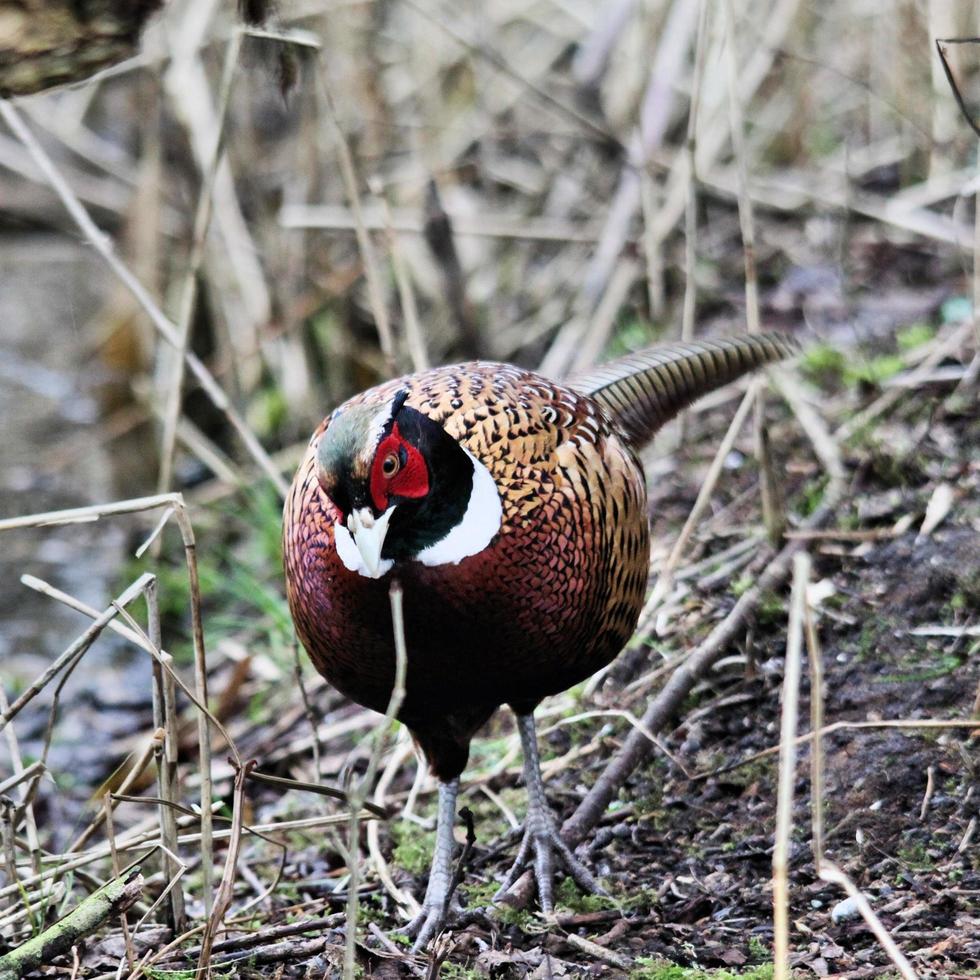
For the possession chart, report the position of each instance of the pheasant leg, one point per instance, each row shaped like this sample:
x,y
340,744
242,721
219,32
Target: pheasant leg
x,y
541,842
430,918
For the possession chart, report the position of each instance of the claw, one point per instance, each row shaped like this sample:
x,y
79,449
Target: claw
x,y
541,842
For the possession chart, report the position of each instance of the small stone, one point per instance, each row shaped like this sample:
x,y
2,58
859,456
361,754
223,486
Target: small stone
x,y
845,910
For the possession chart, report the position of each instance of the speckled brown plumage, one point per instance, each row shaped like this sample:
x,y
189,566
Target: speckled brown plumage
x,y
553,598
556,593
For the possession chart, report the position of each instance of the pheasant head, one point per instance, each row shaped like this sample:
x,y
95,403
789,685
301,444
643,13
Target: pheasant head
x,y
404,489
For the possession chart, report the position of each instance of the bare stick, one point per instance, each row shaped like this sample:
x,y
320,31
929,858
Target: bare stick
x,y
771,512
815,660
135,635
136,769
226,888
29,772
787,766
163,325
17,763
165,718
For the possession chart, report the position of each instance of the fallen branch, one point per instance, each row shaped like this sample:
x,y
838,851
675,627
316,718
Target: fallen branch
x,y
112,899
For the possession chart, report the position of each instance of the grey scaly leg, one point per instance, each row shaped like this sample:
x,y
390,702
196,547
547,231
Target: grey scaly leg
x,y
541,832
430,918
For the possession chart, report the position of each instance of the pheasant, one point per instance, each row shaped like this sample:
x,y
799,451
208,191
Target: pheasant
x,y
512,510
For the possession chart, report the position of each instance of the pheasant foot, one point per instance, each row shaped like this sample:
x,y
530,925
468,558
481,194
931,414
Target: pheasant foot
x,y
430,918
541,843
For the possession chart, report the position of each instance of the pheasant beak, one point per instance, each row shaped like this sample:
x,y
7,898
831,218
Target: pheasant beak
x,y
369,533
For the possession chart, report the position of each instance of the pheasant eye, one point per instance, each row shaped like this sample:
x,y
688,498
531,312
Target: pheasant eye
x,y
390,465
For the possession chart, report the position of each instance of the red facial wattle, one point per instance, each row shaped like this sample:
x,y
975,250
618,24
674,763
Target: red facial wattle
x,y
411,478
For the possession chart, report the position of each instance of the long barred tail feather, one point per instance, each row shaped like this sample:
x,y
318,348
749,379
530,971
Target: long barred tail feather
x,y
642,391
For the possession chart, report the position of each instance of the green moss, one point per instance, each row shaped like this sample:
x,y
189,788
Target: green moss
x,y
914,335
823,363
413,846
568,895
915,855
479,894
456,971
650,968
874,370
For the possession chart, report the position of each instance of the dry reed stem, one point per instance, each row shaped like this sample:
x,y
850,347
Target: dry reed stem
x,y
135,635
332,217
37,768
163,325
787,765
226,888
30,823
148,841
117,874
136,768
188,289
772,515
815,662
655,114
165,718
201,690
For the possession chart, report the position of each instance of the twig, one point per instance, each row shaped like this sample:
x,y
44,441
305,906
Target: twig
x,y
815,661
136,769
226,889
28,772
691,207
74,651
165,718
318,788
599,952
927,796
414,337
787,766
